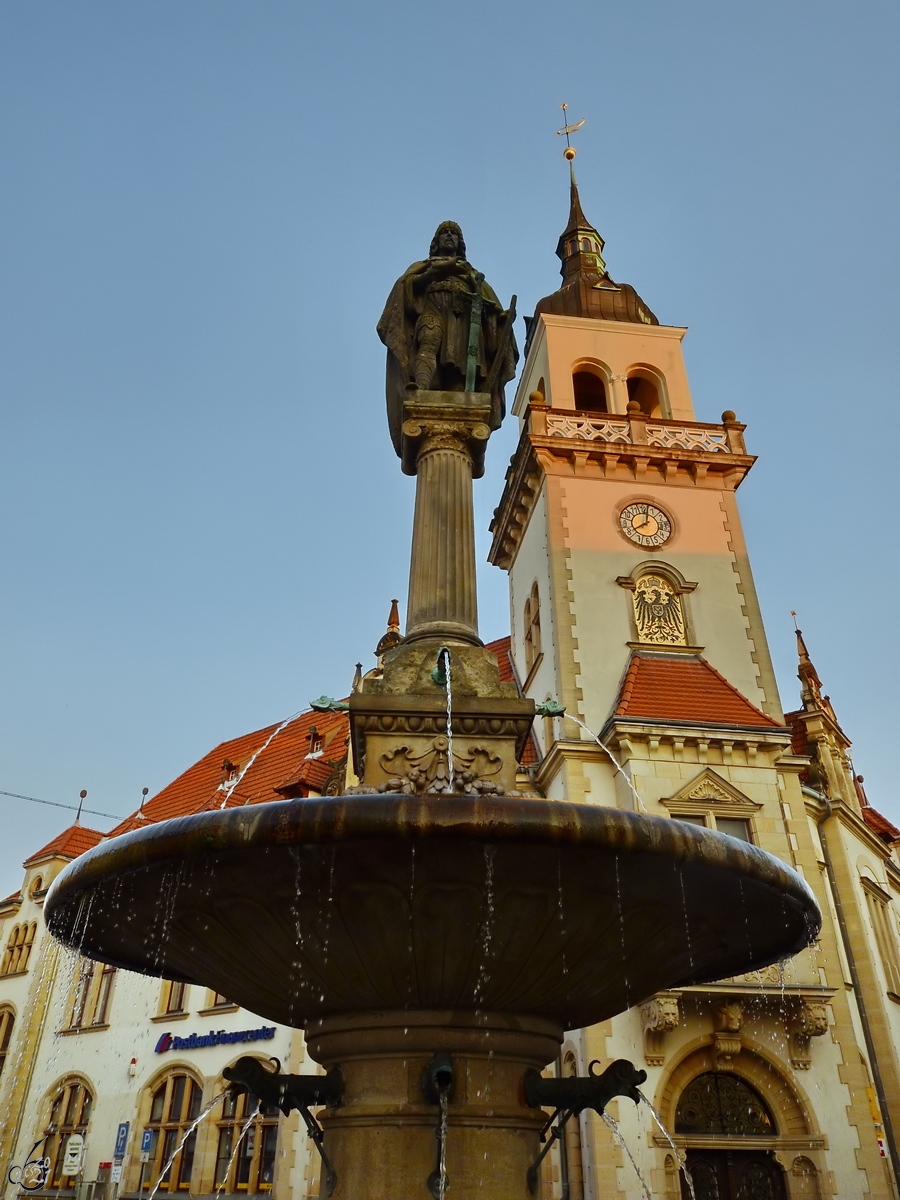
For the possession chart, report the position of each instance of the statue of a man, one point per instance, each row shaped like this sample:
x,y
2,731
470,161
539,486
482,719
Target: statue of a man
x,y
427,328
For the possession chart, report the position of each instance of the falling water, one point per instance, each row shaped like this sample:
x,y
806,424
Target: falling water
x,y
175,1152
610,1121
446,657
615,761
659,1121
253,757
234,1153
442,1157
490,853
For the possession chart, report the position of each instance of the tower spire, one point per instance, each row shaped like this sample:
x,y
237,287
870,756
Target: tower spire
x,y
580,246
811,695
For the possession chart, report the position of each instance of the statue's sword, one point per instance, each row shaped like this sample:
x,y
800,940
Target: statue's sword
x,y
493,374
474,331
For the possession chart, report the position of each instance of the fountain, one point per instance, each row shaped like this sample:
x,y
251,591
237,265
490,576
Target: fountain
x,y
434,932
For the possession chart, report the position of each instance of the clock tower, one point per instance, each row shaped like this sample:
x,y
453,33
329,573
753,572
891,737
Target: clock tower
x,y
633,604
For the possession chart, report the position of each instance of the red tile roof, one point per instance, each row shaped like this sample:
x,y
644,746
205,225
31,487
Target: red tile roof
x,y
69,844
880,825
687,689
503,649
263,760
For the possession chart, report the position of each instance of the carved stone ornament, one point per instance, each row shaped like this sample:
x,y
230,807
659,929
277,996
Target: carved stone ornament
x,y
811,1020
727,1038
659,1016
428,774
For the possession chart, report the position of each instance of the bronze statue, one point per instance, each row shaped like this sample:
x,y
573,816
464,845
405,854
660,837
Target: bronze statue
x,y
445,330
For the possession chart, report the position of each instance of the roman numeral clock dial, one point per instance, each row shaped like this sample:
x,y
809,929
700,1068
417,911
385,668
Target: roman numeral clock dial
x,y
645,524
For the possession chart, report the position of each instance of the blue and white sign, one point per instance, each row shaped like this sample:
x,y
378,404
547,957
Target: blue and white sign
x,y
219,1038
121,1140
146,1141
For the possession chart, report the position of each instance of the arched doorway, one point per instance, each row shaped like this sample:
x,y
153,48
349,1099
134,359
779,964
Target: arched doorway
x,y
719,1104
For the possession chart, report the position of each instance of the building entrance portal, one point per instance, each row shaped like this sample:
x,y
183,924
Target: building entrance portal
x,y
734,1175
722,1105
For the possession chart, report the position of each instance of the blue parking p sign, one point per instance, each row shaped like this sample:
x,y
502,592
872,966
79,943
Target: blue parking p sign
x,y
146,1141
121,1140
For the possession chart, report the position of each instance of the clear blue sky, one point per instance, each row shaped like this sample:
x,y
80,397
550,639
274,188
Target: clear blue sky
x,y
204,204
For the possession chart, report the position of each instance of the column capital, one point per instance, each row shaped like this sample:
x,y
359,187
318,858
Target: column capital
x,y
444,420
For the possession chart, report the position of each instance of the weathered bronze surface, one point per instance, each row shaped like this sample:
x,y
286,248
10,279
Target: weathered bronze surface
x,y
427,328
302,909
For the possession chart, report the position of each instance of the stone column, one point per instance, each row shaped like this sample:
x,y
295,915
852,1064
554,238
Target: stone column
x,y
444,435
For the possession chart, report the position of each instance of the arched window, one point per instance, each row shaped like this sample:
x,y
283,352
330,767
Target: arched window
x,y
91,995
70,1113
18,948
658,611
590,391
174,1107
7,1020
532,628
646,387
720,1103
250,1165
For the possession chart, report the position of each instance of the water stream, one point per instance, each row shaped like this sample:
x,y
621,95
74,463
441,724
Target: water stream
x,y
234,1154
450,787
255,755
168,1165
617,1134
613,759
442,1157
659,1121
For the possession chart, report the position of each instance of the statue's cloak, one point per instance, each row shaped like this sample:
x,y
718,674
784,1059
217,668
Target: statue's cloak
x,y
397,330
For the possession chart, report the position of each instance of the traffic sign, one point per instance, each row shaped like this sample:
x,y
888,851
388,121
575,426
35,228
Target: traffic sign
x,y
121,1141
117,1173
146,1142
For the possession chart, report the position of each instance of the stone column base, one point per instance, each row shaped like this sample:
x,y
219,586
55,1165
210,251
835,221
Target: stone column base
x,y
382,1138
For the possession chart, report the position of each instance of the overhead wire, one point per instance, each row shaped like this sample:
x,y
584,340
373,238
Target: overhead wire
x,y
56,804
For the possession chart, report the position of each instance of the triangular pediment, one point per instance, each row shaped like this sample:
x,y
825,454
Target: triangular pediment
x,y
710,790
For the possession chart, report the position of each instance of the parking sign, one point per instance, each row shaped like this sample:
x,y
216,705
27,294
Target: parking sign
x,y
146,1141
121,1141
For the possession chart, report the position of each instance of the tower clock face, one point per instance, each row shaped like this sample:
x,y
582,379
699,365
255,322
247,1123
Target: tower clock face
x,y
645,524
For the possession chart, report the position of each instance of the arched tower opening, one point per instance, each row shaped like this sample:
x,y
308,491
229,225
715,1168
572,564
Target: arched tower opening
x,y
590,389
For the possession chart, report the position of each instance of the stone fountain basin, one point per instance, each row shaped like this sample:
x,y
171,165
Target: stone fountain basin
x,y
304,908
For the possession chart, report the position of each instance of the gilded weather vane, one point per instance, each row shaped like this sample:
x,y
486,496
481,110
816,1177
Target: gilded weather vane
x,y
569,151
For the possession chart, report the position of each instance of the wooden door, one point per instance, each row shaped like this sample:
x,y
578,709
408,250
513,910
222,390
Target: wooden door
x,y
734,1175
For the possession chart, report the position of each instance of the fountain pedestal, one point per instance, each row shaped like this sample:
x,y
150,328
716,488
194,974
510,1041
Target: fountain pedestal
x,y
382,1138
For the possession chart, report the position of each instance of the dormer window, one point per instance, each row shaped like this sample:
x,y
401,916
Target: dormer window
x,y
315,743
229,771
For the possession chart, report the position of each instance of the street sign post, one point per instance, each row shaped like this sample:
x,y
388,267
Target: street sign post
x,y
146,1147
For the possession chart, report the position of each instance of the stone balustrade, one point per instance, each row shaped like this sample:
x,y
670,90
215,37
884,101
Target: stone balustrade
x,y
636,429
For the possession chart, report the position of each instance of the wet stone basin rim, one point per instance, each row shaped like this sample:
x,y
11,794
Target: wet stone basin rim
x,y
300,909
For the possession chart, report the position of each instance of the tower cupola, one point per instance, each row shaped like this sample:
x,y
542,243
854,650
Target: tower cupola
x,y
587,289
